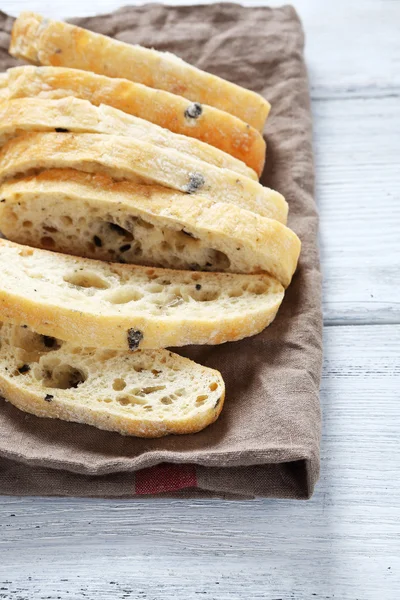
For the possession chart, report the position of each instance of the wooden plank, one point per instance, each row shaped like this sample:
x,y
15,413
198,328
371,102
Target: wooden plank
x,y
341,544
358,193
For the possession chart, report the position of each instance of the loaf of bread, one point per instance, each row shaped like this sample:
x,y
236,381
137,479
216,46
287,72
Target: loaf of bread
x,y
96,217
206,123
109,305
148,393
25,115
46,42
126,158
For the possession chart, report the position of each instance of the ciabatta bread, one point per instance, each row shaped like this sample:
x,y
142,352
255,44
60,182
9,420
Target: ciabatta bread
x,y
125,158
148,393
46,42
108,305
206,123
25,115
96,217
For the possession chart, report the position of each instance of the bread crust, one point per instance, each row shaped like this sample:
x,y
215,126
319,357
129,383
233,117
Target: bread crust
x,y
125,158
253,244
27,115
90,406
213,126
42,301
46,42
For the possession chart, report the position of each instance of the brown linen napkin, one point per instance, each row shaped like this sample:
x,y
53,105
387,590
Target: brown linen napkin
x,y
266,442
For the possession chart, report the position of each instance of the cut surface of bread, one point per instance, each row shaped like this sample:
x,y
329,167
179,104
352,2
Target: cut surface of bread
x,y
95,217
148,393
108,305
25,115
206,123
46,42
124,158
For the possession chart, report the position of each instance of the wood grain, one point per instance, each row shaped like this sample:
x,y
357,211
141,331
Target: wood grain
x,y
344,543
358,193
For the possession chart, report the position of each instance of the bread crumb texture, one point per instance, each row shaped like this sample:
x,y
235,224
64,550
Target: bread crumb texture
x,y
147,393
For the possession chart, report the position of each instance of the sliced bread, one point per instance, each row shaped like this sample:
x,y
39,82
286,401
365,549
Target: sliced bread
x,y
108,305
148,393
97,217
205,123
135,160
46,42
25,115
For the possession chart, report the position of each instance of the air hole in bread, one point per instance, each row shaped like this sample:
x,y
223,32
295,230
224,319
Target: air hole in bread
x,y
119,384
218,261
130,400
66,220
201,399
142,223
154,288
213,386
150,390
151,274
120,232
235,293
204,295
164,281
86,279
107,354
50,229
166,400
32,345
47,242
124,295
61,376
257,288
27,224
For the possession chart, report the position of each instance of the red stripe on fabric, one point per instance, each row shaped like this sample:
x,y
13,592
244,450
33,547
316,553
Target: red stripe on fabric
x,y
165,477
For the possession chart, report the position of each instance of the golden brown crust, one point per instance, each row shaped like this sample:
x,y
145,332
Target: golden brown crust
x,y
125,158
25,388
32,403
213,126
46,309
251,243
60,44
27,115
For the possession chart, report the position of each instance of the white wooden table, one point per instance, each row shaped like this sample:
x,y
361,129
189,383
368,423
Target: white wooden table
x,y
344,543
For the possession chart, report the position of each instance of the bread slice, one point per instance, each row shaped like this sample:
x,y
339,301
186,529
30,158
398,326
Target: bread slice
x,y
148,393
4,90
125,158
96,217
26,115
205,123
46,42
108,305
